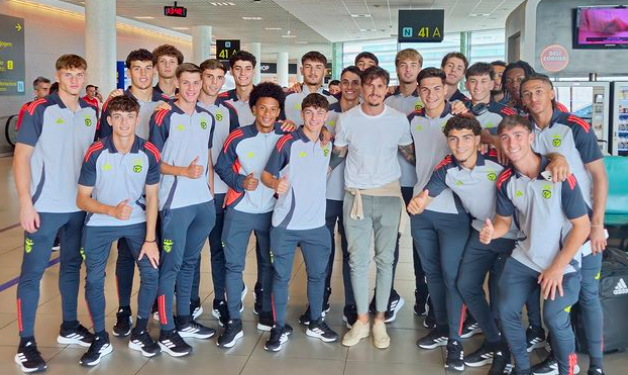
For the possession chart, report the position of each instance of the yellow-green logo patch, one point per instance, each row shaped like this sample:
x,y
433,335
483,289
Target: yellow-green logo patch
x,y
28,245
556,142
518,194
203,123
180,127
302,154
59,121
250,154
492,176
547,191
168,245
106,167
88,121
219,116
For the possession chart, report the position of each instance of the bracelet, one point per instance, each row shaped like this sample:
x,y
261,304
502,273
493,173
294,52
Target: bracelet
x,y
153,241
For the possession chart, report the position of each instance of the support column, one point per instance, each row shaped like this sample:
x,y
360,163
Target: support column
x,y
100,44
256,50
282,69
201,43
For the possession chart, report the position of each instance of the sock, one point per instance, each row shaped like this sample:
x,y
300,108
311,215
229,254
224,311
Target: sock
x,y
25,340
596,362
183,319
125,309
140,325
102,334
67,325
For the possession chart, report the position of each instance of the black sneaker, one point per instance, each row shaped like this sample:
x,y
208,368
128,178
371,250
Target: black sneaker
x,y
220,311
481,357
231,334
124,323
172,343
395,303
265,321
142,342
326,305
535,338
77,336
304,319
501,362
278,337
595,371
455,356
470,328
258,294
349,315
432,340
195,330
548,367
420,304
321,331
99,348
29,358
429,322
196,309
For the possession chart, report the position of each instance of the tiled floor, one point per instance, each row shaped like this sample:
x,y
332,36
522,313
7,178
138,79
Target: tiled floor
x,y
301,356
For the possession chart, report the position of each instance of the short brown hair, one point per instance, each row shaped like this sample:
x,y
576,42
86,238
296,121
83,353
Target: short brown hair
x,y
510,122
187,68
314,56
373,73
463,121
211,64
168,50
408,54
457,55
71,61
315,100
431,73
123,103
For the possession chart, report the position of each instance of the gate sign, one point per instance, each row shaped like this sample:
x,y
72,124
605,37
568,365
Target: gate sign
x,y
226,48
12,71
422,25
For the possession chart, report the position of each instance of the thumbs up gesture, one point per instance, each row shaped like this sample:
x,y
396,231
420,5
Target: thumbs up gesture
x,y
250,182
194,171
417,204
282,185
486,234
122,211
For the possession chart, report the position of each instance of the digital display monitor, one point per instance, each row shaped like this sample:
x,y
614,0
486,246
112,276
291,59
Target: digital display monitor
x,y
601,27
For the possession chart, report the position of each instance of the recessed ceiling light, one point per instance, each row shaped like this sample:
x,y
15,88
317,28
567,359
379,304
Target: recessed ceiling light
x,y
144,18
181,28
288,36
222,3
252,18
479,14
366,30
361,15
273,28
300,42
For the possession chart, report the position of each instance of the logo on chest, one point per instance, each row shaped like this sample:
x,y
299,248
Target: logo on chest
x,y
203,123
106,167
88,121
556,140
137,166
547,191
219,116
302,154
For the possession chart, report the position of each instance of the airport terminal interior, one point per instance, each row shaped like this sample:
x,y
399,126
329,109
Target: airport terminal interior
x,y
422,68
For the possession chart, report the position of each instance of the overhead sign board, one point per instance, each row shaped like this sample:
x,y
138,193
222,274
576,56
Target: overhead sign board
x,y
421,26
12,58
226,48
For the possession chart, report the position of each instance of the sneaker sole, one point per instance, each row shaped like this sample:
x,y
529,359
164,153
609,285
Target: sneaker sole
x,y
29,370
196,335
197,313
97,361
455,368
396,310
125,334
264,328
165,349
138,348
485,362
281,344
433,346
232,343
471,333
320,337
66,341
539,345
351,343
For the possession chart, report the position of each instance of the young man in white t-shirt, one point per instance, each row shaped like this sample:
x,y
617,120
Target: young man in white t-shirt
x,y
369,136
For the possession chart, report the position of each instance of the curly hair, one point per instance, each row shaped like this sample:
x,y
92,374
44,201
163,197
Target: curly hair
x,y
267,90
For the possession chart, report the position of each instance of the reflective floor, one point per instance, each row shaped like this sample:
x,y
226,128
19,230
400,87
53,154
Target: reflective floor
x,y
301,356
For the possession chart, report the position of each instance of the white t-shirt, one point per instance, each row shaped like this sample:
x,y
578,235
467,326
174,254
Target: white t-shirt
x,y
373,143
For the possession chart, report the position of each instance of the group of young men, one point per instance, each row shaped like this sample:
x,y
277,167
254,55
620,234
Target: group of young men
x,y
504,184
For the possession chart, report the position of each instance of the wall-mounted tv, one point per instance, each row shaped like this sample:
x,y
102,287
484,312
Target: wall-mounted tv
x,y
601,27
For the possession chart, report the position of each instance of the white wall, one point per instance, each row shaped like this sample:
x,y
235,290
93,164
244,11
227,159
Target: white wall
x,y
49,34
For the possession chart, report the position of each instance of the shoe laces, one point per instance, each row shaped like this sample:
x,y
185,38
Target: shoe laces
x,y
176,339
83,331
276,333
31,351
95,347
231,328
454,350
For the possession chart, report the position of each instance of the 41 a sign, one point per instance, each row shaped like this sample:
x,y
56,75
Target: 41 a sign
x,y
226,48
423,25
